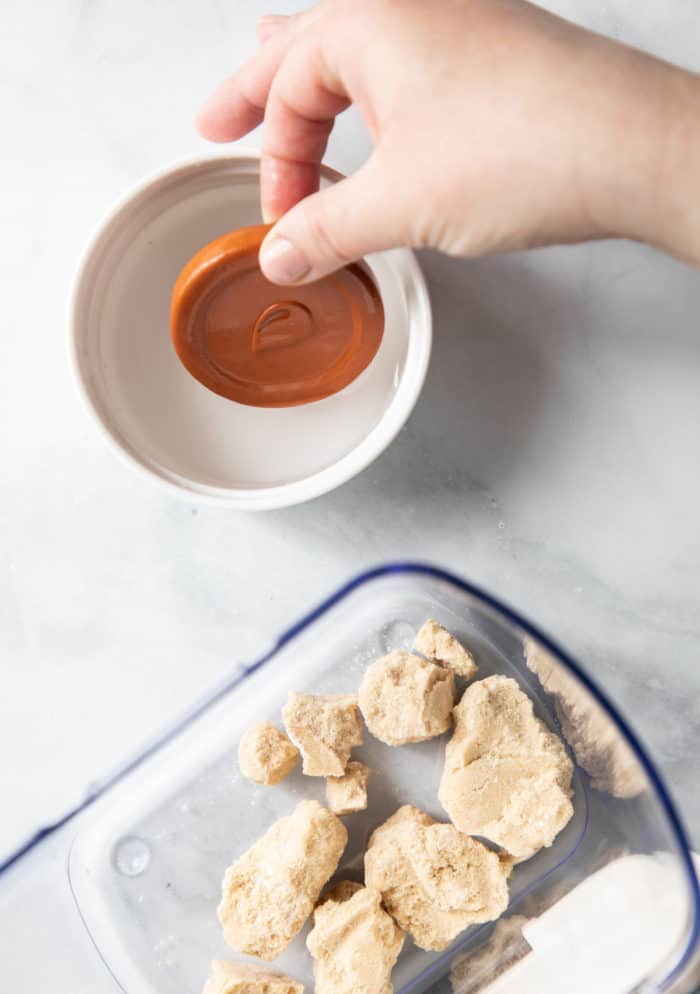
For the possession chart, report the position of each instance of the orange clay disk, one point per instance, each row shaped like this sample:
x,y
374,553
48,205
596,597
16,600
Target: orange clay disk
x,y
266,345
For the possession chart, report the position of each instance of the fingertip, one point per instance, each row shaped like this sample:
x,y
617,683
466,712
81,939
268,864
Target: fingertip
x,y
269,215
282,262
208,121
226,115
207,126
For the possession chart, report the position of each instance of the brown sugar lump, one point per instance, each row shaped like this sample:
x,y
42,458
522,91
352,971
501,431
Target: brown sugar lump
x,y
354,942
324,728
434,881
404,698
436,643
506,776
348,793
228,977
270,891
265,754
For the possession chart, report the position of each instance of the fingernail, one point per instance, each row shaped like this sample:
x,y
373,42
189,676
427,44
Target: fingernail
x,y
269,216
282,262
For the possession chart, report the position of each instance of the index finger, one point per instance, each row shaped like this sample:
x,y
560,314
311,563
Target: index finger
x,y
305,97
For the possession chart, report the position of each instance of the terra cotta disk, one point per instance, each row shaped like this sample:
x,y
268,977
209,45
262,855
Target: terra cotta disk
x,y
265,345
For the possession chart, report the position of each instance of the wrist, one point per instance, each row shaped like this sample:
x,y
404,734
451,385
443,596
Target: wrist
x,y
674,223
647,180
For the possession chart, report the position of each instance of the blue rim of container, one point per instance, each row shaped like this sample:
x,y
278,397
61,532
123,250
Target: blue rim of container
x,y
435,572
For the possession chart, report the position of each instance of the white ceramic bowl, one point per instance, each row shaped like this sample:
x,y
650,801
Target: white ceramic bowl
x,y
165,423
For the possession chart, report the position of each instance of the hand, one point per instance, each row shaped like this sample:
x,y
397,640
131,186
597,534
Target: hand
x,y
496,125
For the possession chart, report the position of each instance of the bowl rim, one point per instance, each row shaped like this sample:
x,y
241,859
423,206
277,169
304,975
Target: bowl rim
x,y
250,498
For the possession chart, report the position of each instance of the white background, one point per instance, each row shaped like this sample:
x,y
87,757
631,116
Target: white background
x,y
554,456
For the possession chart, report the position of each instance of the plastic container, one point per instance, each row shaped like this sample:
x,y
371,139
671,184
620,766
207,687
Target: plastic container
x,y
158,418
121,894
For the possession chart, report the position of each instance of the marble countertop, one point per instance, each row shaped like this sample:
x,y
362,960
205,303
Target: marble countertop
x,y
553,457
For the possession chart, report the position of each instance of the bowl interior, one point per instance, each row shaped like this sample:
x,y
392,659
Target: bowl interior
x,y
162,417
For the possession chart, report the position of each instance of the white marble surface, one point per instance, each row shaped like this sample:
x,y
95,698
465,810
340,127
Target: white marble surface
x,y
554,456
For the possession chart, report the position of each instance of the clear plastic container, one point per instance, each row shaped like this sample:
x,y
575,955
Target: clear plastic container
x,y
121,893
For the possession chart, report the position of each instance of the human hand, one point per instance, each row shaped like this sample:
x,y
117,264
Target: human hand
x,y
497,126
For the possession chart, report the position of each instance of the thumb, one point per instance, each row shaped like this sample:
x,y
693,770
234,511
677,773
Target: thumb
x,y
331,228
